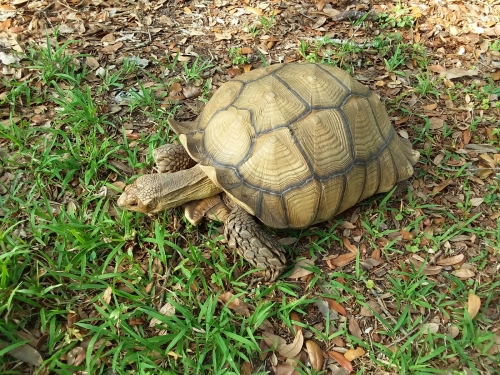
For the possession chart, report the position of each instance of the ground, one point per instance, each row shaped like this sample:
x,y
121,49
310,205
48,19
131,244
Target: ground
x,y
403,283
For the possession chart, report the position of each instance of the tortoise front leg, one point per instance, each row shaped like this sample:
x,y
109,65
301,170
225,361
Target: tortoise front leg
x,y
171,158
257,247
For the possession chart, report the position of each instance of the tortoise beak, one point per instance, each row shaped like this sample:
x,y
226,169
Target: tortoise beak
x,y
131,201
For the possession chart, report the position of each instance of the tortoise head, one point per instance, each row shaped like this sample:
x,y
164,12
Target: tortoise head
x,y
162,191
143,195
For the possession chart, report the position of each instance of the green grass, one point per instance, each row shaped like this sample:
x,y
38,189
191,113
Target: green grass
x,y
102,290
388,49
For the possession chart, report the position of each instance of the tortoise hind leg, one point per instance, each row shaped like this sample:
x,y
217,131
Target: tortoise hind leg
x,y
250,241
171,158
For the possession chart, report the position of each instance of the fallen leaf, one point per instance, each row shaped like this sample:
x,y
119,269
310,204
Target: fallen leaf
x,y
299,269
285,369
272,340
458,72
343,361
349,246
246,368
255,11
235,304
8,59
407,236
315,355
112,47
321,4
473,305
452,331
222,36
191,91
352,354
430,328
343,259
24,353
372,305
427,270
436,68
291,350
294,317
166,310
430,107
451,261
436,123
441,186
355,329
325,310
475,202
106,296
463,273
336,306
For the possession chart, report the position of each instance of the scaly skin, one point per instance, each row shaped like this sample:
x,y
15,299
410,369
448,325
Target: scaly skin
x,y
171,158
259,248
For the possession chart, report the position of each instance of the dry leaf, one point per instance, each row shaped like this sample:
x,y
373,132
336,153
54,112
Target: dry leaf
x,y
372,305
349,246
355,329
295,318
458,72
475,202
441,186
291,350
430,328
427,270
407,236
255,11
246,368
299,269
191,91
343,259
436,123
24,353
473,305
430,107
106,296
463,273
436,68
166,310
341,360
222,36
272,340
235,304
452,331
319,22
315,355
336,306
352,354
321,4
112,47
451,261
285,369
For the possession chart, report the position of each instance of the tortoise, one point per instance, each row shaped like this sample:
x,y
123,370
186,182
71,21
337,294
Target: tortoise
x,y
292,145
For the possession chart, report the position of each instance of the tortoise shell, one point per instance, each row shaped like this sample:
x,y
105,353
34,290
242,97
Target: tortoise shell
x,y
296,144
